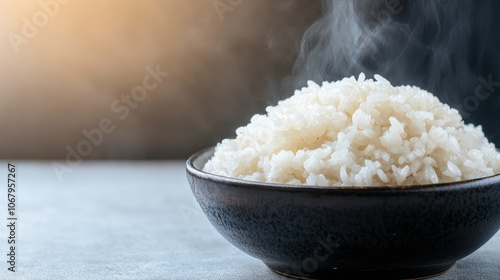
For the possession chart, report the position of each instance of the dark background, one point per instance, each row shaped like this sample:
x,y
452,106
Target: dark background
x,y
227,61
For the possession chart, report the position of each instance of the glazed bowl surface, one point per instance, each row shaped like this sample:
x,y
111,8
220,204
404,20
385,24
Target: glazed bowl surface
x,y
344,232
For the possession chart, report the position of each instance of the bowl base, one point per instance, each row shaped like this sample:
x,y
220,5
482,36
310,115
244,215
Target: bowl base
x,y
409,273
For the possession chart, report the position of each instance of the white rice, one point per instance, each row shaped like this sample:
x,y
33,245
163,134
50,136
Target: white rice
x,y
357,133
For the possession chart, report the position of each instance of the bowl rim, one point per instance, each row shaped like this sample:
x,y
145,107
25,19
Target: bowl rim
x,y
467,184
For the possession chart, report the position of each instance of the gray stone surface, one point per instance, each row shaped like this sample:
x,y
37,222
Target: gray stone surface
x,y
138,220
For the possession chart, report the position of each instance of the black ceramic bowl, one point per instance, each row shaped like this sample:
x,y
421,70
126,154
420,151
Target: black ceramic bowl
x,y
329,232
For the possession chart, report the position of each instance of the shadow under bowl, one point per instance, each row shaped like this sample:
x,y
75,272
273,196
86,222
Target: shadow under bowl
x,y
314,232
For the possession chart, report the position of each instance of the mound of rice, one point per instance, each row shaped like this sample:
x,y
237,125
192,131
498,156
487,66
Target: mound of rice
x,y
357,133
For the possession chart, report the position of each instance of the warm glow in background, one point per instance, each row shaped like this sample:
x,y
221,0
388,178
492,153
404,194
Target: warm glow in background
x,y
89,53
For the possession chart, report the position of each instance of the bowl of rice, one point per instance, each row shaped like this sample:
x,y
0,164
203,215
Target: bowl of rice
x,y
353,178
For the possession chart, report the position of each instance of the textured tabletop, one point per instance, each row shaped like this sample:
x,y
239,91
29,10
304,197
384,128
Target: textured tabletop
x,y
137,220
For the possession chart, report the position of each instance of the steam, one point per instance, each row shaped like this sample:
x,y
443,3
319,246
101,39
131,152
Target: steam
x,y
409,42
